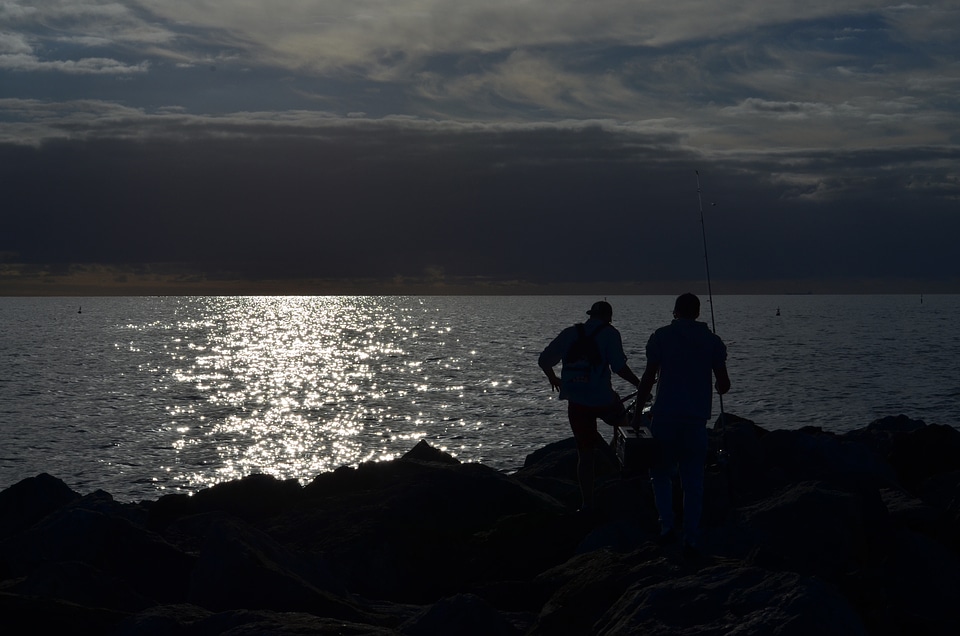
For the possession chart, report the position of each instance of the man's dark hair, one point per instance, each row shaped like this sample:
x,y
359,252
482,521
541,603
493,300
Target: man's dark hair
x,y
687,306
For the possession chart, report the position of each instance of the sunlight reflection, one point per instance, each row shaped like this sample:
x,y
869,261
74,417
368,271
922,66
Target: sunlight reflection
x,y
300,384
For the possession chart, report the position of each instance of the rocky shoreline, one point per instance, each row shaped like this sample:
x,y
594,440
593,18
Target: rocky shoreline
x,y
806,532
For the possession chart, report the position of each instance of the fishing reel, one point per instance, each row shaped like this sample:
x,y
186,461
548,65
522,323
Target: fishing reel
x,y
722,456
644,405
720,462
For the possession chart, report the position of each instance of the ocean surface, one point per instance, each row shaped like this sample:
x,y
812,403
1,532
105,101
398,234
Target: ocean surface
x,y
143,396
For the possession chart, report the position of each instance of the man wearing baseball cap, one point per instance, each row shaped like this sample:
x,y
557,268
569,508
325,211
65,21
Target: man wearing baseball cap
x,y
589,352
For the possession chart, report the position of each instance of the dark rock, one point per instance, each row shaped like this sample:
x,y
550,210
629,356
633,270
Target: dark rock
x,y
880,435
921,585
240,567
29,615
165,620
760,463
558,460
248,623
737,457
553,470
30,500
925,453
424,452
726,599
252,497
805,532
167,509
520,546
105,540
187,620
812,529
395,518
811,454
580,591
464,615
80,584
909,511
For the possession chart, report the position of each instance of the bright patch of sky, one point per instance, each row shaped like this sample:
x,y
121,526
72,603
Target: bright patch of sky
x,y
372,120
853,72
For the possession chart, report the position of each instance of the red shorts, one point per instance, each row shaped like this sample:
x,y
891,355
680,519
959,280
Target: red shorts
x,y
583,420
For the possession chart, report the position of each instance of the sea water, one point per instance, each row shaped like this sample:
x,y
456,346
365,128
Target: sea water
x,y
143,396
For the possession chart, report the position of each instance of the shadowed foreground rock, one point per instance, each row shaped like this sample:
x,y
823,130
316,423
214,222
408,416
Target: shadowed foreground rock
x,y
806,532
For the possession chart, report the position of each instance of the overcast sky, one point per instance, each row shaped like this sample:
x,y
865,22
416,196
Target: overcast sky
x,y
546,143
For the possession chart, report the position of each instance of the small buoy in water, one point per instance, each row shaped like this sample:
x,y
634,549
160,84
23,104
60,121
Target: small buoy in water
x,y
80,310
778,311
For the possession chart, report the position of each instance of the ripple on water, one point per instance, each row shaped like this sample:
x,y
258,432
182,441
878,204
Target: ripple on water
x,y
140,396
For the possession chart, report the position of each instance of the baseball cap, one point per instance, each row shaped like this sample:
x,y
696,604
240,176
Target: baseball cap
x,y
601,309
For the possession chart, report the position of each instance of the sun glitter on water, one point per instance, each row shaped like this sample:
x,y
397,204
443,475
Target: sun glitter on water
x,y
297,383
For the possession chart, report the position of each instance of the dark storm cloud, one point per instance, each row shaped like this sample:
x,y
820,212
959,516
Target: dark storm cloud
x,y
377,201
542,203
545,140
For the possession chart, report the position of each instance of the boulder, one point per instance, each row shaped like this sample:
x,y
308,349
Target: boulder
x,y
27,502
102,537
252,497
25,614
580,591
882,434
813,529
925,453
804,532
395,517
242,568
461,614
731,599
187,620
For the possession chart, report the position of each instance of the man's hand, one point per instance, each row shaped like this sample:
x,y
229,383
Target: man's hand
x,y
723,380
551,376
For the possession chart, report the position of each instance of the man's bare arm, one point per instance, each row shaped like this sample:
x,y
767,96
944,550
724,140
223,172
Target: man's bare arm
x,y
645,388
627,374
723,380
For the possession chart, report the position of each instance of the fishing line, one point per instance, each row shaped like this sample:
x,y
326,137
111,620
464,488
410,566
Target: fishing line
x,y
713,319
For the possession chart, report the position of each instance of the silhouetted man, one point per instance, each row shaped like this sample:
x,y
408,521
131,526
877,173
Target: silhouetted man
x,y
589,351
683,354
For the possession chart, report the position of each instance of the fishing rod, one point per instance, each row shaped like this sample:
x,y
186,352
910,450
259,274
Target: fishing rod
x,y
706,259
713,319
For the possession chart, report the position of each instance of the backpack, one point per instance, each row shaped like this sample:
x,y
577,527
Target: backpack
x,y
583,357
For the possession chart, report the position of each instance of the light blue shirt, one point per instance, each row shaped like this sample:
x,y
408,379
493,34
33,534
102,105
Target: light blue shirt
x,y
599,390
687,353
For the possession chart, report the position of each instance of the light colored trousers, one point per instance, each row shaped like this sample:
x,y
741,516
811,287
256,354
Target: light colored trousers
x,y
683,444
